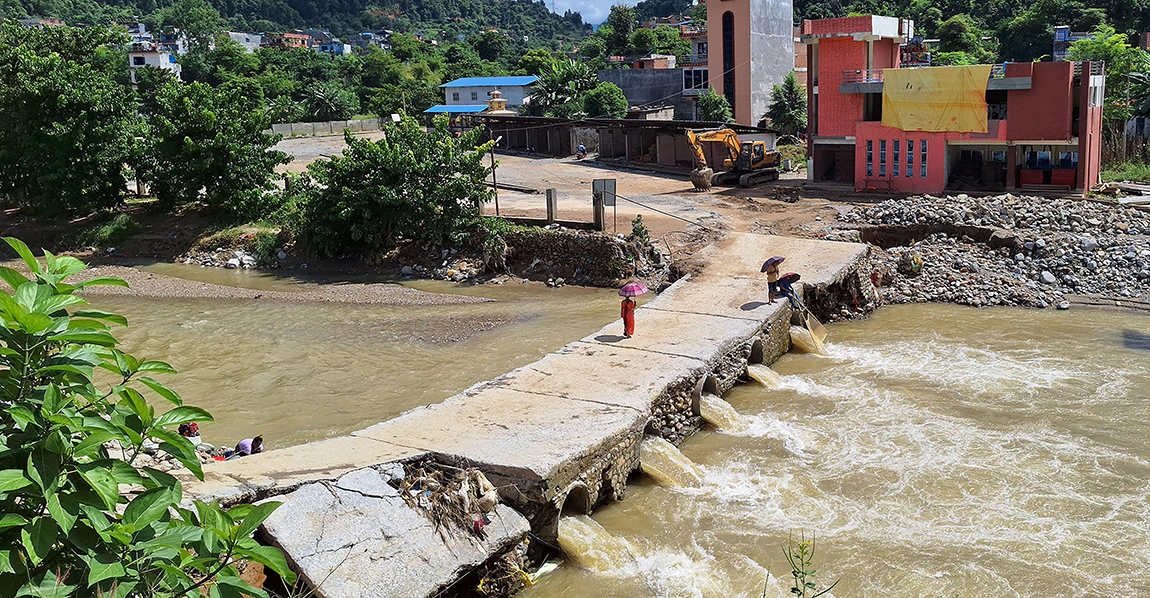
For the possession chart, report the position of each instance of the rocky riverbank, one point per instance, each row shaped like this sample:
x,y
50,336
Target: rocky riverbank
x,y
1033,251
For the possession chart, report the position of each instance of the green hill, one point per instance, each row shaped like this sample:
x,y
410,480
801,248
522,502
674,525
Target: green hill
x,y
440,19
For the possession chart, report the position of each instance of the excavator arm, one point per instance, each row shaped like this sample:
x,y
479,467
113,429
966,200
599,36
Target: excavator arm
x,y
725,136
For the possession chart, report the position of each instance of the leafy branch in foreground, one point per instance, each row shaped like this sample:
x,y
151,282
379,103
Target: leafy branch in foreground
x,y
76,520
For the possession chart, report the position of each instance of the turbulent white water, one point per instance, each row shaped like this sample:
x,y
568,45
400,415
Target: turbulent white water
x,y
764,375
663,462
936,451
720,414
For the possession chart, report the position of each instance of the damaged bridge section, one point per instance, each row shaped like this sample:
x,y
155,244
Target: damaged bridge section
x,y
559,434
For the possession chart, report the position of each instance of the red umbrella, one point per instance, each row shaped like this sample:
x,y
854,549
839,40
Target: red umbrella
x,y
633,289
778,259
790,277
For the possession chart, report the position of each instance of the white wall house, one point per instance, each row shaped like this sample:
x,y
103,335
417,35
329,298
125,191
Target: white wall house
x,y
142,54
471,91
250,41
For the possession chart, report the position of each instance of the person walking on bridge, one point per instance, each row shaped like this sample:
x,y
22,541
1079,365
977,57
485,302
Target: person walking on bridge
x,y
627,310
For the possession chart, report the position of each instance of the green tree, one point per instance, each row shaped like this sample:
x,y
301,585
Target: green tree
x,y
788,109
1029,33
712,107
621,21
491,45
329,101
411,184
195,18
560,89
535,61
209,144
643,41
1121,61
668,41
81,514
961,33
605,101
698,14
66,128
594,47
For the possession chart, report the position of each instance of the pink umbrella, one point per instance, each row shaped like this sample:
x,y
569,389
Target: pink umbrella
x,y
778,259
633,289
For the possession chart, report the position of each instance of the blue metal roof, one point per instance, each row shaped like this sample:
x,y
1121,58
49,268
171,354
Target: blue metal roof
x,y
460,109
491,81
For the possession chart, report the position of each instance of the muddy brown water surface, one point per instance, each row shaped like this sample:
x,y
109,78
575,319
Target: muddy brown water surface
x,y
299,371
937,451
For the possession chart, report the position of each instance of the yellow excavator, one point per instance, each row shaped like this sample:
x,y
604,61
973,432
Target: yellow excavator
x,y
749,162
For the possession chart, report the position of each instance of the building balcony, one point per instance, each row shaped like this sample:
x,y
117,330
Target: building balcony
x,y
694,59
871,80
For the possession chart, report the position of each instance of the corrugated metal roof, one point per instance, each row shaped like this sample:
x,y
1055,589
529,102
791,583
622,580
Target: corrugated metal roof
x,y
492,81
460,109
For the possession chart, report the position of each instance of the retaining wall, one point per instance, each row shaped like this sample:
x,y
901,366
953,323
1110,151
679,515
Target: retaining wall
x,y
331,127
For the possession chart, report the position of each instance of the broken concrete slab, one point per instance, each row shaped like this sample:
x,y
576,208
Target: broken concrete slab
x,y
356,536
285,469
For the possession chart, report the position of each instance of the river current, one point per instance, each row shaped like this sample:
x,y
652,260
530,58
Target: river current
x,y
936,451
298,372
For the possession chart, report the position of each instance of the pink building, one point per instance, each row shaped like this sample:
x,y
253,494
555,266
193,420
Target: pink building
x,y
1042,130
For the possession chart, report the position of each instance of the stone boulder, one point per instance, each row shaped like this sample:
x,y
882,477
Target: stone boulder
x,y
357,537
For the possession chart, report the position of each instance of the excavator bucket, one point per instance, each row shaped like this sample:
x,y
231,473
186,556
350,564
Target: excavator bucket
x,y
701,178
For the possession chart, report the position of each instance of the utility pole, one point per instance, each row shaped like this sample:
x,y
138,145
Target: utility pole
x,y
494,183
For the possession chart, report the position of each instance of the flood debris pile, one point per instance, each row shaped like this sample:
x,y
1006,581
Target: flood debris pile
x,y
455,500
1053,248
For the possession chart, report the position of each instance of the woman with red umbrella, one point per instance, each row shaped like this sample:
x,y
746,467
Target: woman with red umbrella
x,y
627,310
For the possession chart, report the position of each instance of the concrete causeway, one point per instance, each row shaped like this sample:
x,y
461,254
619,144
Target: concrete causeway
x,y
560,433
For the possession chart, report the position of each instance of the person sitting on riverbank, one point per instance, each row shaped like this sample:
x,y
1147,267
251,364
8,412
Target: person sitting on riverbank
x,y
786,290
249,446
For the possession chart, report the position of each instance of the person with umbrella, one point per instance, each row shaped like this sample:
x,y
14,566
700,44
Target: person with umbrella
x,y
627,310
786,290
771,267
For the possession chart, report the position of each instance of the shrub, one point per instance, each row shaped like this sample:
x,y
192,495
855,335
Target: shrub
x,y
76,518
606,100
411,184
713,107
1126,171
210,145
117,231
639,232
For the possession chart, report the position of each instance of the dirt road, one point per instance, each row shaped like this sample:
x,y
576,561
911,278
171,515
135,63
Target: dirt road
x,y
667,202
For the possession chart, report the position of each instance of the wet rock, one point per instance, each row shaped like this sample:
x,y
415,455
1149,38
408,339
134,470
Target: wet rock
x,y
1063,305
1048,278
233,263
406,271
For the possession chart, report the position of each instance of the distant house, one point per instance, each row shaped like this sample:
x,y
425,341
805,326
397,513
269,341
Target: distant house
x,y
250,41
1063,39
335,48
142,54
367,39
173,41
284,41
470,95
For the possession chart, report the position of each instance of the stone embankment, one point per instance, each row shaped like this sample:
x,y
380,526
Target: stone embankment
x,y
561,434
1006,249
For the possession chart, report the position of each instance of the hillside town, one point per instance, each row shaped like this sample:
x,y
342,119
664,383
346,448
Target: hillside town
x,y
425,299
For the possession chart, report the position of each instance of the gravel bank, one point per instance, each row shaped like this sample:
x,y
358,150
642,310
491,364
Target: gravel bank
x,y
1060,247
147,284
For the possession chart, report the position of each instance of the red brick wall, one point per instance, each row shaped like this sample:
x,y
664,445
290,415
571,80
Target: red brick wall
x,y
838,112
1046,109
933,182
842,25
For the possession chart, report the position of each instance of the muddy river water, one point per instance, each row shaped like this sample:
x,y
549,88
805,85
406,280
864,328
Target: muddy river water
x,y
937,451
298,372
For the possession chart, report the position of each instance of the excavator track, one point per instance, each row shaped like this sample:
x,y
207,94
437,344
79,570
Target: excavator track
x,y
759,177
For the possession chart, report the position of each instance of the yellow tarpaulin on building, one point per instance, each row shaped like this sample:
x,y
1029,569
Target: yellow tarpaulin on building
x,y
940,98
